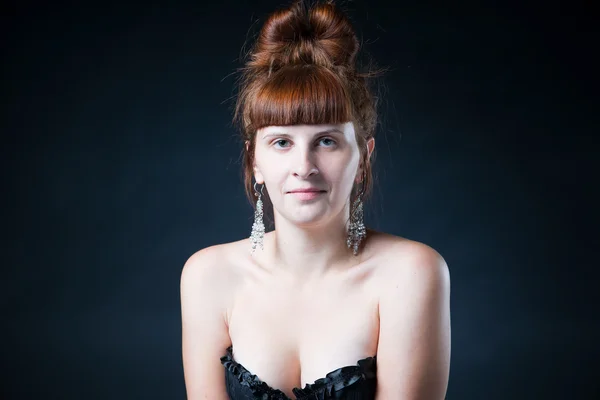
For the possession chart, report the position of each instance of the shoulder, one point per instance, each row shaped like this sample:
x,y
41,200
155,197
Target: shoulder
x,y
202,266
414,314
206,288
420,262
409,263
211,270
214,260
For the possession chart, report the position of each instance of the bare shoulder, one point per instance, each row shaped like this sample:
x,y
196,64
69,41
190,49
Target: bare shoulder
x,y
200,272
414,310
212,270
406,260
200,265
207,284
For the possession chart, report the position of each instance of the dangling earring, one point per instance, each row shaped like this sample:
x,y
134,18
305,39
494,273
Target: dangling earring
x,y
258,227
356,229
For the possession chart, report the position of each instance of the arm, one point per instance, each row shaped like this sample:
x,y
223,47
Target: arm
x,y
413,356
204,330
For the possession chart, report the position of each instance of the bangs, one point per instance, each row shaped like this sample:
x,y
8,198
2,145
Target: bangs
x,y
298,95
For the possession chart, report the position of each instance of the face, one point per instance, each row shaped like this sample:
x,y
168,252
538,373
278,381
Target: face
x,y
323,159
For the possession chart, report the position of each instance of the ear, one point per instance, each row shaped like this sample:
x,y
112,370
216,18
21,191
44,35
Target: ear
x,y
370,148
257,175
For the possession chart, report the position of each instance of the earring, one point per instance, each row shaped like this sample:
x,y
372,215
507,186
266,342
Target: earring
x,y
258,227
356,229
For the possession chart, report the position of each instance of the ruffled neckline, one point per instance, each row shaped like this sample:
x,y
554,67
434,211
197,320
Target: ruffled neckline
x,y
334,381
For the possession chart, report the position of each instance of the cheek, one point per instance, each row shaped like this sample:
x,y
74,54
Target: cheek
x,y
273,172
342,171
264,163
350,165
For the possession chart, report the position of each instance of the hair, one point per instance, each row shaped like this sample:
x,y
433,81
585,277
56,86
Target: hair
x,y
302,70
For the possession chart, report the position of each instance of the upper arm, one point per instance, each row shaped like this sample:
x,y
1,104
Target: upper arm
x,y
204,327
413,356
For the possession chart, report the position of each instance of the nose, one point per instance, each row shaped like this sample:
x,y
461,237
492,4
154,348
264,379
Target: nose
x,y
304,165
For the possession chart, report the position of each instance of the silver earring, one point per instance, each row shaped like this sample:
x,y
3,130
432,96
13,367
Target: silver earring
x,y
356,229
258,227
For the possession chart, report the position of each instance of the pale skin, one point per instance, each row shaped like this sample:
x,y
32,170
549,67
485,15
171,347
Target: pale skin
x,y
304,305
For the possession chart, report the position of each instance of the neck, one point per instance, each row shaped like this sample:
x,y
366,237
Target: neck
x,y
305,250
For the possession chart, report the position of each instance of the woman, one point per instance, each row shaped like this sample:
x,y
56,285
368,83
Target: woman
x,y
320,307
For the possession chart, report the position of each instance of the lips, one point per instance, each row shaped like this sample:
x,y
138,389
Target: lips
x,y
306,191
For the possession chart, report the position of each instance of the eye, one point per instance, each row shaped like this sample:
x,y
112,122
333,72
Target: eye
x,y
330,142
284,143
279,141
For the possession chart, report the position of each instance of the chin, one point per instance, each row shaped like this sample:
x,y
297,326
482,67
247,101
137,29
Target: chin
x,y
309,218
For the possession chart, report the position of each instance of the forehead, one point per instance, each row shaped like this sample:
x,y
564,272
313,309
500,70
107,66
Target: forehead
x,y
347,129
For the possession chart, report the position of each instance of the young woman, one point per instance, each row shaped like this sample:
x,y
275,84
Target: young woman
x,y
320,307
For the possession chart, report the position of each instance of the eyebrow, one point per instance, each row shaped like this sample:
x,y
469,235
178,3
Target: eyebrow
x,y
283,134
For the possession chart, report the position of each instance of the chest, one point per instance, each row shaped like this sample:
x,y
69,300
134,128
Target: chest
x,y
289,337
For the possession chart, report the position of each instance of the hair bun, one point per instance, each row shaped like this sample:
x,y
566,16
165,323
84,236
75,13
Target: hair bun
x,y
321,35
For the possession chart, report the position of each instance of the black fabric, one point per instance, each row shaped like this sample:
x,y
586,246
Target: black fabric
x,y
355,382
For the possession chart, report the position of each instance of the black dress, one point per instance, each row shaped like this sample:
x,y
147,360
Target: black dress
x,y
355,382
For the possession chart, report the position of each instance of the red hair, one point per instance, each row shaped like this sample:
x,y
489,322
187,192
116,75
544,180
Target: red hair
x,y
302,70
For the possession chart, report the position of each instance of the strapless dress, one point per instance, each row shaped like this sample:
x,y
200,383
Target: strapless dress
x,y
353,382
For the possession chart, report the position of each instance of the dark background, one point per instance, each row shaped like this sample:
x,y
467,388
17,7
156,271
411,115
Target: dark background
x,y
119,161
